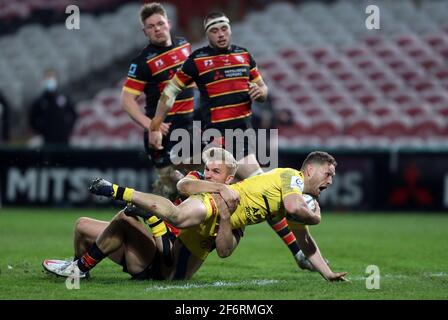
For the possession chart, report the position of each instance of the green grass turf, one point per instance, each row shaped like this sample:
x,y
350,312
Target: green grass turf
x,y
410,250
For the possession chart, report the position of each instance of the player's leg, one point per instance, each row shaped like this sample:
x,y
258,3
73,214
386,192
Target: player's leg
x,y
139,245
189,213
281,228
186,264
127,241
86,231
248,167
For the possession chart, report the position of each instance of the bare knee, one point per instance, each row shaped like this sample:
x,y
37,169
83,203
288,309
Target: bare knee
x,y
123,219
81,225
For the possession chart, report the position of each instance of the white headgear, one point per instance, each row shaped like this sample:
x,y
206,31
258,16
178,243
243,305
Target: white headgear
x,y
218,22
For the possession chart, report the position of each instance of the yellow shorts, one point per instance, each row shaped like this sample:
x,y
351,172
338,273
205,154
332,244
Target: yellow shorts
x,y
199,246
200,239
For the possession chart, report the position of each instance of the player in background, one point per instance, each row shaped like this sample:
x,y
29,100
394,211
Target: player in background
x,y
157,255
228,80
277,192
148,73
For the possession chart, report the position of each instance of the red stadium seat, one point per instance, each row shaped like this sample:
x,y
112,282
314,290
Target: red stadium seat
x,y
367,98
325,127
346,110
393,127
442,110
382,110
359,127
405,41
416,110
356,52
289,53
427,127
373,41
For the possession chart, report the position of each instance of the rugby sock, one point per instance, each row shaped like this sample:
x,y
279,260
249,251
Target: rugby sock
x,y
160,229
121,193
283,231
157,226
91,258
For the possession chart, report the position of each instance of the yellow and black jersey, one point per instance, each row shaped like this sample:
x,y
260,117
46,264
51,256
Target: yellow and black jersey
x,y
222,78
151,70
260,196
263,195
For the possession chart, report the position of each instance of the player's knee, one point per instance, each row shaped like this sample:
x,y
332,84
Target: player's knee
x,y
81,225
122,218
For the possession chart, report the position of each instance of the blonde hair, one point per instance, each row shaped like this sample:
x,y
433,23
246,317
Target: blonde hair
x,y
220,154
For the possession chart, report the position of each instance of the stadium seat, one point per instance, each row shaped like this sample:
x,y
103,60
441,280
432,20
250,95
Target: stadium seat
x,y
427,127
359,127
393,127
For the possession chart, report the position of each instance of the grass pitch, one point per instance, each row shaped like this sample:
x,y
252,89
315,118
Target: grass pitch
x,y
410,250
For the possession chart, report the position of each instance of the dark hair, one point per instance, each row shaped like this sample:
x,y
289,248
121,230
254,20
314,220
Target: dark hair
x,y
149,9
319,157
213,15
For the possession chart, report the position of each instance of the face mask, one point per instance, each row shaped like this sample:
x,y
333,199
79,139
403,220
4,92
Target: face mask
x,y
50,84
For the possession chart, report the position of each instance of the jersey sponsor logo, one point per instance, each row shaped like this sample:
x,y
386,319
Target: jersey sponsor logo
x,y
254,214
296,182
240,59
175,58
208,63
132,70
185,52
218,75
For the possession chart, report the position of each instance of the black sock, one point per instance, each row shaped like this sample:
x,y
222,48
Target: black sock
x,y
91,258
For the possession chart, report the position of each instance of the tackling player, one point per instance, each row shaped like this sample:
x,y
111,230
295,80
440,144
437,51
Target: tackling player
x,y
127,242
277,192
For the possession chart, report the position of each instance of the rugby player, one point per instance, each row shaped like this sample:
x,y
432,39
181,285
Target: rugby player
x,y
277,192
148,73
126,241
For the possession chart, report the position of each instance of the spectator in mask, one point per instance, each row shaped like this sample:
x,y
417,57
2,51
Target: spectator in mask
x,y
4,120
52,114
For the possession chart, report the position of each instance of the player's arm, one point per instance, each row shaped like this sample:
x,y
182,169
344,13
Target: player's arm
x,y
180,81
312,252
134,86
190,185
131,107
296,207
166,102
258,90
227,239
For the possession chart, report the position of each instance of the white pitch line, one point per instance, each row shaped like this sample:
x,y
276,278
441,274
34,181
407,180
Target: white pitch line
x,y
399,276
263,282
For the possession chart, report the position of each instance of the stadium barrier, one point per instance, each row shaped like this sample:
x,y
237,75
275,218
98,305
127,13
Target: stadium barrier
x,y
400,180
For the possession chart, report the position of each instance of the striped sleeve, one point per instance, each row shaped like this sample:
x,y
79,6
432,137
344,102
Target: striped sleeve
x,y
138,76
255,75
187,74
195,175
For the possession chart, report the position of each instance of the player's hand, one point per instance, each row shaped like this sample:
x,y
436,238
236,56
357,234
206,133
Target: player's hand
x,y
254,91
231,197
337,276
155,139
165,128
317,210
